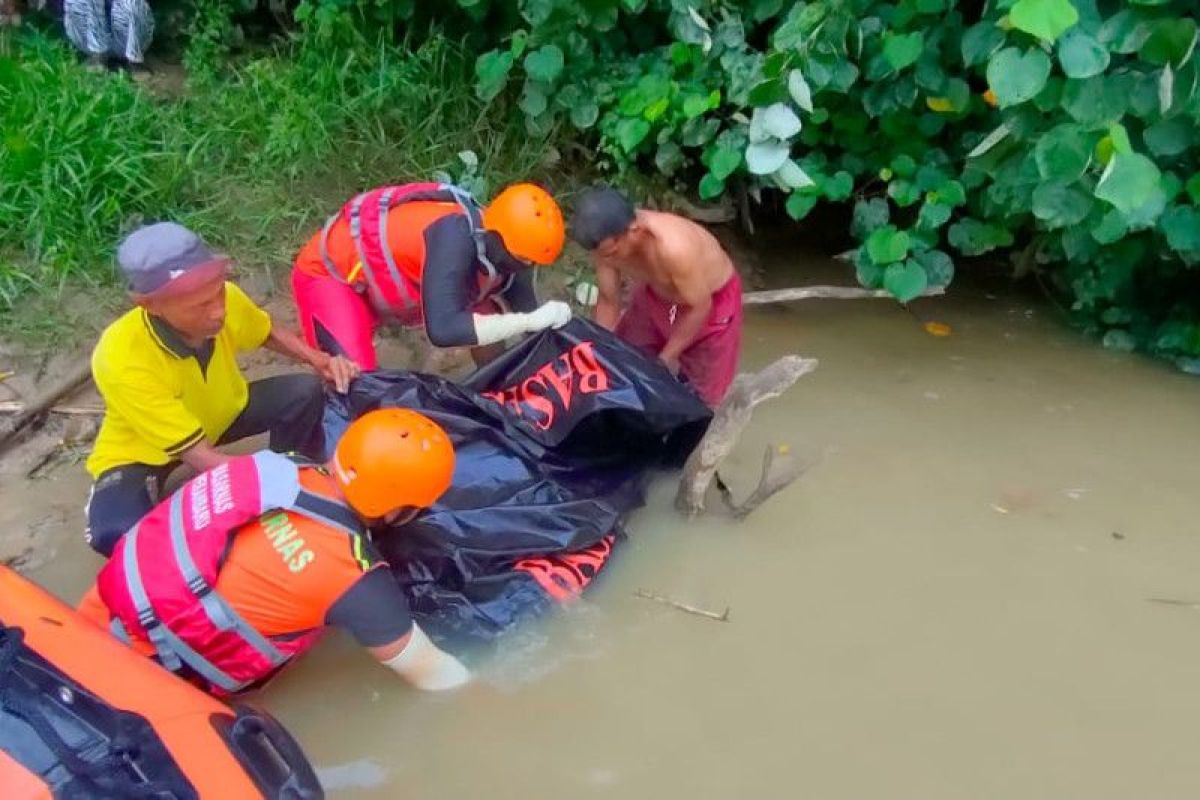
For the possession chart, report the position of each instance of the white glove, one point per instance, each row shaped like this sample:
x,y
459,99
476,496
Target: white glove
x,y
426,666
492,328
552,314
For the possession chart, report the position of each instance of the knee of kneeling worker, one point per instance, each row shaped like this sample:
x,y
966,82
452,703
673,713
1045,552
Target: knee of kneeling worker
x,y
103,539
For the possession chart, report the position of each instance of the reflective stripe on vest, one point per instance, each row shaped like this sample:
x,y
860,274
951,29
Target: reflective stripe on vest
x,y
387,201
173,651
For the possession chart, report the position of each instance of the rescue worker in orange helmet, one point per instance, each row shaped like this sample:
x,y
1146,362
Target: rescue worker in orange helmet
x,y
238,571
427,253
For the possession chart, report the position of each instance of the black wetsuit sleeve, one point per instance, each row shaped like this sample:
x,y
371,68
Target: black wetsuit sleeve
x,y
448,282
520,295
374,609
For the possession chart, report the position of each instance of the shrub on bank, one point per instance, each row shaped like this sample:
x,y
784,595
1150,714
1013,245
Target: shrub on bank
x,y
1063,131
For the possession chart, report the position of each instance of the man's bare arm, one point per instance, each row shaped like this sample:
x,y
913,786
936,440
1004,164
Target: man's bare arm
x,y
202,457
608,304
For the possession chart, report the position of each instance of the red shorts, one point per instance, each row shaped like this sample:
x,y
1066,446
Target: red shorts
x,y
710,362
341,321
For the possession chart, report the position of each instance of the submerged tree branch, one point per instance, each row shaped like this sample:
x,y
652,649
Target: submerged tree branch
x,y
700,612
726,428
35,409
824,292
780,469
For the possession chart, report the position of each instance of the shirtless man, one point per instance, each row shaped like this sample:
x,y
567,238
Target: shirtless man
x,y
687,305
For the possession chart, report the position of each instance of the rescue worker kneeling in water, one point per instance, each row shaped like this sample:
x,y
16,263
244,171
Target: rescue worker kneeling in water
x,y
427,253
239,570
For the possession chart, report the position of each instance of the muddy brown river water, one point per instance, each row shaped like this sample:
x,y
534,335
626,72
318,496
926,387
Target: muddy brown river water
x,y
957,601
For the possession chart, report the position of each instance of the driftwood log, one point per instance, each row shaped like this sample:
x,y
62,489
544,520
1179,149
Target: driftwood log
x,y
715,214
41,405
17,407
730,419
824,292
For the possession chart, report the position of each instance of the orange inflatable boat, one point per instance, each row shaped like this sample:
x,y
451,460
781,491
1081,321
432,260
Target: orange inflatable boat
x,y
82,716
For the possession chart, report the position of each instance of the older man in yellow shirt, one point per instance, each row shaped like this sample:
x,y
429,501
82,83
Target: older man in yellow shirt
x,y
172,388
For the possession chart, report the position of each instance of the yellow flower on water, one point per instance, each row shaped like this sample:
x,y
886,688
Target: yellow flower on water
x,y
989,97
938,329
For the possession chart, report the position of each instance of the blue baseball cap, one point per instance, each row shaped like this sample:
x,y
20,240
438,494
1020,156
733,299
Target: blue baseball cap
x,y
167,254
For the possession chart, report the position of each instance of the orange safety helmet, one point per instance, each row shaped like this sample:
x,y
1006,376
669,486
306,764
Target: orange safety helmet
x,y
529,222
390,458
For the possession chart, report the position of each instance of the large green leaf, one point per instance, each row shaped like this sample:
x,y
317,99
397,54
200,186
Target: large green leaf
x,y
1171,41
1096,101
768,92
839,186
694,105
800,203
1111,227
933,216
903,192
980,41
698,132
1181,226
764,9
902,50
869,215
724,161
1147,214
533,100
648,90
631,132
887,244
777,120
669,158
545,64
711,186
763,158
491,73
1016,77
939,267
1081,56
869,274
906,281
951,193
537,11
799,89
1129,182
791,176
1045,19
1059,204
973,238
904,165
1170,137
1063,152
585,113
1125,31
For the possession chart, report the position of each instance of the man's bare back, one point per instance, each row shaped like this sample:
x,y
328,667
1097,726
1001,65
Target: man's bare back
x,y
678,260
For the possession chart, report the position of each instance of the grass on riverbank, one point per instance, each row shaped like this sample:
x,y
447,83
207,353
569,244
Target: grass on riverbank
x,y
253,157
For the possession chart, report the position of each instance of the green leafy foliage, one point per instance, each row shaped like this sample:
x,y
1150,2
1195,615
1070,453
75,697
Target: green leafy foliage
x,y
1045,19
1068,127
1017,76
